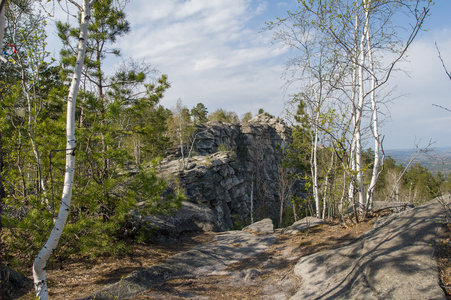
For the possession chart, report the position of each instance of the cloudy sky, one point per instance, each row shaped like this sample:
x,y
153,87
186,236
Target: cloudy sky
x,y
215,52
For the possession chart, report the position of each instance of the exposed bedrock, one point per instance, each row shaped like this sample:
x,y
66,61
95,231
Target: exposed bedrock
x,y
231,164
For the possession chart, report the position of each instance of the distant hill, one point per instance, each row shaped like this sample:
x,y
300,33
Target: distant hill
x,y
438,159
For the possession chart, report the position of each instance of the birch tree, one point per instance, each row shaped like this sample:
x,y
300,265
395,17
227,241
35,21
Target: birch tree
x,y
367,45
39,266
317,70
26,33
378,19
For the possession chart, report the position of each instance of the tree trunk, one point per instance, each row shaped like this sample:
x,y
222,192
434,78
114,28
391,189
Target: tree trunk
x,y
39,266
377,143
315,170
326,186
357,132
358,123
352,161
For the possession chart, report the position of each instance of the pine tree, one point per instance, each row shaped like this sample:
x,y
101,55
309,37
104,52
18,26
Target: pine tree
x,y
199,114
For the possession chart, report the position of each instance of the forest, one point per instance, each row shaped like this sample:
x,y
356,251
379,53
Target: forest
x,y
122,130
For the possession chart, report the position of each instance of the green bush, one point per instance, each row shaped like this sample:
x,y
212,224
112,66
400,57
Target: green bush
x,y
99,219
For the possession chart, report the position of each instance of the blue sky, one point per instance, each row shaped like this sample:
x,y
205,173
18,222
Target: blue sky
x,y
214,52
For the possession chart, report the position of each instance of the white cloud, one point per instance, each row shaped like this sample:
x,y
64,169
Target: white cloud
x,y
209,52
214,53
414,116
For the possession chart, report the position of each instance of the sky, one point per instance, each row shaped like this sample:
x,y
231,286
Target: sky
x,y
217,53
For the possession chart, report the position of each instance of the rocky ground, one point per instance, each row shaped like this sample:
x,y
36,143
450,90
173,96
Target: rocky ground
x,y
80,277
269,274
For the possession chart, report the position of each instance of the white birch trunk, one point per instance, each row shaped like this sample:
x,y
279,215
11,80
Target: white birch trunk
x,y
316,109
315,170
282,183
375,172
352,161
39,266
357,129
326,185
358,141
351,188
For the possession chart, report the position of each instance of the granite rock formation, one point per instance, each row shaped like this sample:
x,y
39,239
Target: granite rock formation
x,y
232,164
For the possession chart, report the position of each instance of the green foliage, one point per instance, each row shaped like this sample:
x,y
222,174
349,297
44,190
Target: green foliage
x,y
298,153
181,129
107,24
27,228
445,185
338,46
417,185
223,148
120,126
421,184
199,114
221,115
100,222
246,117
288,217
148,189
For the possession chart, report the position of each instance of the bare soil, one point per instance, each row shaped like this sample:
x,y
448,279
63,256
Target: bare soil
x,y
80,277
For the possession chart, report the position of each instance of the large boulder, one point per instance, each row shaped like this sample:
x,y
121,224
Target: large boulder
x,y
302,225
263,226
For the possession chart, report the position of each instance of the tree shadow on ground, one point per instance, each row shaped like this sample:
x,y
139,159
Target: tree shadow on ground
x,y
396,258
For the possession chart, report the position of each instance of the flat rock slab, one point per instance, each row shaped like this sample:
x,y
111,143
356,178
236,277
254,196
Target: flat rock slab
x,y
302,225
229,247
395,260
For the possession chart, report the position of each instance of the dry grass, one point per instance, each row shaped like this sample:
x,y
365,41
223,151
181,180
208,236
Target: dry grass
x,y
80,277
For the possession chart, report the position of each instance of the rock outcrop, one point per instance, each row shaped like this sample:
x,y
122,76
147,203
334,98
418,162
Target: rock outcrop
x,y
395,260
235,169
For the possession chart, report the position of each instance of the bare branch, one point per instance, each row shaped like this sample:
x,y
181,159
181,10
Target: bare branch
x,y
417,153
443,63
447,109
76,4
